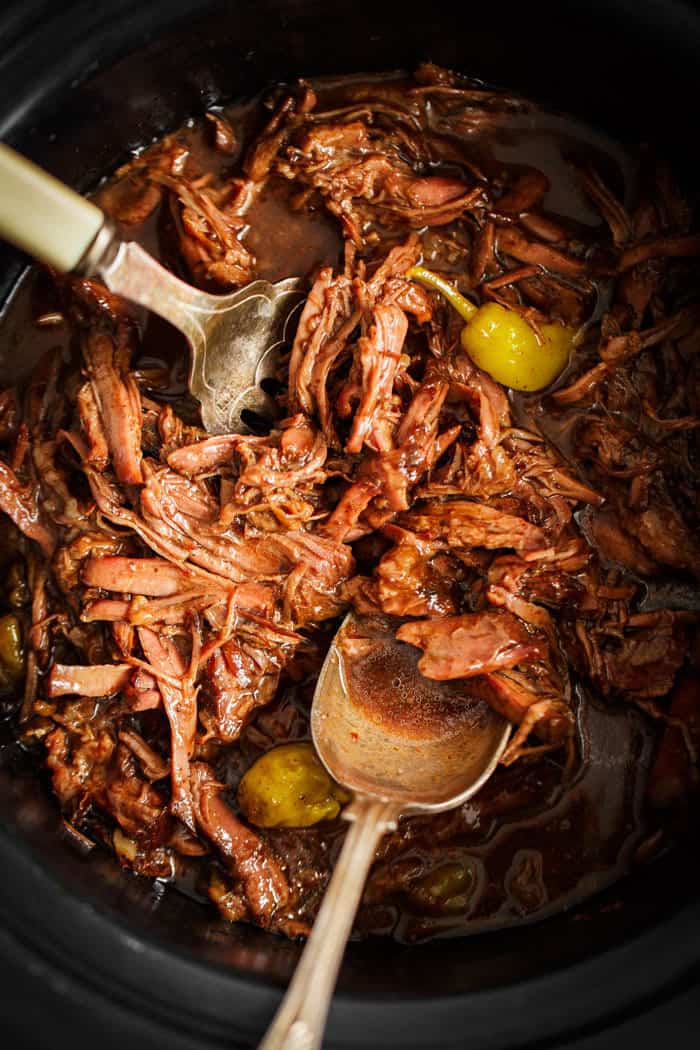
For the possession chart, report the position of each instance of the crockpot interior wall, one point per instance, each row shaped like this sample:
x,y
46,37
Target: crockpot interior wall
x,y
80,85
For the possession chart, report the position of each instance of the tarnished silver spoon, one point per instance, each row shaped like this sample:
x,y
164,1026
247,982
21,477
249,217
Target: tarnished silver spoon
x,y
233,338
403,745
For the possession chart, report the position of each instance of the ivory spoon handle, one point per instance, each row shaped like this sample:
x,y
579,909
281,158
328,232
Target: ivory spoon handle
x,y
41,215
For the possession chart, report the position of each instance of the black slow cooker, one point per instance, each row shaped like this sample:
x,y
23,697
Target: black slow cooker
x,y
95,957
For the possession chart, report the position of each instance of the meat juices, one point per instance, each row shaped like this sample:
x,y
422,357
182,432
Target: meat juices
x,y
180,589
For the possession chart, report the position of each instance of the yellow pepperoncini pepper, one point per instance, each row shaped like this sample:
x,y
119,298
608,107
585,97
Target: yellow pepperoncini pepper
x,y
11,651
288,787
445,890
501,342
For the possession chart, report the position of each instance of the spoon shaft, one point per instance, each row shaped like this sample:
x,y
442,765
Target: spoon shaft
x,y
300,1020
133,273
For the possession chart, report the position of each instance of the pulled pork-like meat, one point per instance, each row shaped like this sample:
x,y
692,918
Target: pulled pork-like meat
x,y
471,644
181,587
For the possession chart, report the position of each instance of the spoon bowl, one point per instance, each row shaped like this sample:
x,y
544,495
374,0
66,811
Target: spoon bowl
x,y
429,748
234,339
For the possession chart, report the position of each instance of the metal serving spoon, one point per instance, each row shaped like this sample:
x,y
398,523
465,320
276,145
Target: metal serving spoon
x,y
400,755
233,338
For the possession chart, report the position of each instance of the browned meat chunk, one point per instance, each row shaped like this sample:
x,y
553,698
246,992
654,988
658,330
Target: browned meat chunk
x,y
606,534
97,680
380,353
416,578
180,703
533,701
241,677
153,576
463,523
117,400
471,644
263,880
19,502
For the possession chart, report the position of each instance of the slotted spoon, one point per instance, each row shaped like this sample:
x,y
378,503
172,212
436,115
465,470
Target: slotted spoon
x,y
233,338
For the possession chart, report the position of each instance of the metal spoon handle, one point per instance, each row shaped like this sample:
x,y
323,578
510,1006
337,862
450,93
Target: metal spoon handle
x,y
130,271
301,1018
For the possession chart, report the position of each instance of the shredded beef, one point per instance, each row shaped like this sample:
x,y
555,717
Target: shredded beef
x,y
181,588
